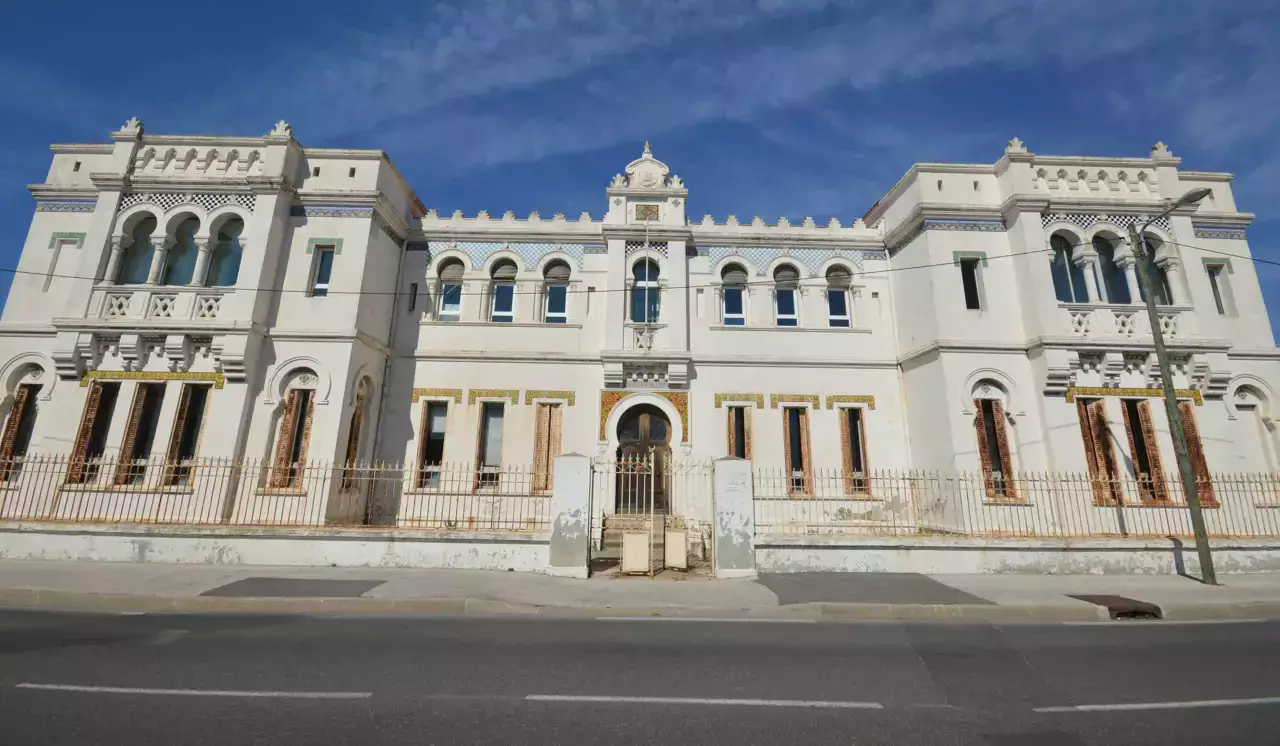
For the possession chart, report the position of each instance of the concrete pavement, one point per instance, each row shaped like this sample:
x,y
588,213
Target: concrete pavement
x,y
100,586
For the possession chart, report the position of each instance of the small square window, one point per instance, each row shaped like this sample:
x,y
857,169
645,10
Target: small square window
x,y
352,172
315,171
76,167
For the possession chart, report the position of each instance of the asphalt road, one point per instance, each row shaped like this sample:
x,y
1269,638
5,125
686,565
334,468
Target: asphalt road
x,y
220,679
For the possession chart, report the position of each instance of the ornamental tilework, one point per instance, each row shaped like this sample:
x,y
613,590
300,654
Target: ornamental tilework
x,y
331,211
867,399
812,259
568,397
65,206
217,379
1085,221
1220,231
678,399
170,200
775,399
512,394
1192,394
757,399
455,394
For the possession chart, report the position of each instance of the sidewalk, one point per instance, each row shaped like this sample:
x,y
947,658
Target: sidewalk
x,y
119,587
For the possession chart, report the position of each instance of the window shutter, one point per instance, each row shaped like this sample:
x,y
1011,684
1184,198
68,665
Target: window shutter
x,y
1091,453
451,272
175,438
1158,484
541,448
11,426
557,272
984,457
1098,452
732,432
846,452
1195,449
284,441
1006,456
734,274
505,271
75,474
553,442
353,443
804,448
786,449
1102,439
124,467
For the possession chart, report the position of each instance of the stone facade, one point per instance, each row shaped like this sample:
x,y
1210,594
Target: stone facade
x,y
350,289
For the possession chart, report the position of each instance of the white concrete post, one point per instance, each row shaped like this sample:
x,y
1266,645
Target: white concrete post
x,y
734,553
570,517
199,276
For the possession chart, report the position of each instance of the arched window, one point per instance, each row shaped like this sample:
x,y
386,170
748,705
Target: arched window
x,y
733,295
1112,283
555,305
838,279
995,452
180,262
646,293
1164,293
289,464
1254,447
450,291
136,262
1068,277
786,279
224,263
502,292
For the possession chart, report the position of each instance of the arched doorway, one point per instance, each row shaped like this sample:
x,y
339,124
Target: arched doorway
x,y
643,430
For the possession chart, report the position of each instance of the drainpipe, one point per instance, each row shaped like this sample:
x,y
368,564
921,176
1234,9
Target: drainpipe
x,y
386,367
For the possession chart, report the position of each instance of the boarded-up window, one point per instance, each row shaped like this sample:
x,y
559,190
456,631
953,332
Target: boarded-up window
x,y
292,440
853,450
1142,449
1195,449
185,440
91,438
1099,452
795,426
18,427
353,443
140,433
739,433
546,446
993,449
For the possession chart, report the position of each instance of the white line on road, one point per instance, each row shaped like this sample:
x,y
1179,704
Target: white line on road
x,y
168,637
705,701
1149,625
194,692
1129,706
701,619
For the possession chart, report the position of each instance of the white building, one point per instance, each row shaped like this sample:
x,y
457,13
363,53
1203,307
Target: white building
x,y
184,297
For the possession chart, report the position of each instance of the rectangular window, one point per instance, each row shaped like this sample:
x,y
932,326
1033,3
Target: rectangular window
x,y
91,439
293,438
993,449
18,427
838,307
140,433
435,416
450,301
546,446
1195,450
739,432
324,268
1142,448
969,277
413,296
503,300
557,299
735,313
795,422
785,305
1099,453
186,434
489,453
854,452
1221,290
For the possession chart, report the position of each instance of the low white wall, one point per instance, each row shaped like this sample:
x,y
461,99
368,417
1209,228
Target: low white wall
x,y
1040,556
273,546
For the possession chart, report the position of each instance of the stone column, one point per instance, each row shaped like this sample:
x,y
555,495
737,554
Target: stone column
x,y
206,244
734,553
1173,273
570,517
1131,278
1087,266
158,259
118,244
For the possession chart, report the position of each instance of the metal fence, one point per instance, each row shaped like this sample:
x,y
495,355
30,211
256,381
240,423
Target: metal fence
x,y
1044,504
262,493
653,487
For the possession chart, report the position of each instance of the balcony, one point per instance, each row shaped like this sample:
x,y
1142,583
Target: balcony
x,y
147,303
1129,321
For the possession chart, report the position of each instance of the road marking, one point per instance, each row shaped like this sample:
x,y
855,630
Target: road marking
x,y
194,692
1128,706
701,619
168,637
706,701
1149,623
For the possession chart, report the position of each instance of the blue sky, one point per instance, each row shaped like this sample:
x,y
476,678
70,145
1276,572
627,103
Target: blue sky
x,y
764,107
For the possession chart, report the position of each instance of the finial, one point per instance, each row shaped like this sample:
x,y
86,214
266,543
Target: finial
x,y
132,126
646,149
1160,150
1015,146
282,129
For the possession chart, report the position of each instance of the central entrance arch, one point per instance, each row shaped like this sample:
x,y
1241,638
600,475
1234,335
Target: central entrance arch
x,y
643,429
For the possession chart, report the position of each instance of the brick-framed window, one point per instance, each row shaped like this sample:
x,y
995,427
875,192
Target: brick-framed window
x,y
1195,449
140,433
184,442
853,451
18,427
292,439
1147,468
739,432
1099,452
91,437
795,442
993,449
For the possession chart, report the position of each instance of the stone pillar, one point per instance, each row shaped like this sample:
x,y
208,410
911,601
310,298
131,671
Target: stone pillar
x,y
734,554
1131,278
158,259
1087,265
199,276
570,517
118,244
1173,274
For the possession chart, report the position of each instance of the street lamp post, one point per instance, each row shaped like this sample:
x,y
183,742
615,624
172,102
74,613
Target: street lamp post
x,y
1147,281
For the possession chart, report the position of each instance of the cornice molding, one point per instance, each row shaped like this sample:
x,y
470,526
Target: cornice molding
x,y
638,233
82,148
54,192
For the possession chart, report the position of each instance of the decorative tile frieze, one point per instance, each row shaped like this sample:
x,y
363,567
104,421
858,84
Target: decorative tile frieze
x,y
1075,391
455,394
757,399
980,225
530,253
1204,230
170,200
678,399
568,397
331,211
761,257
65,206
217,379
1086,220
867,399
776,399
512,394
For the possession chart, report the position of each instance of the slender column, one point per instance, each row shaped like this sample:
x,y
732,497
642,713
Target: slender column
x,y
198,277
1173,273
1087,264
158,259
118,244
1131,278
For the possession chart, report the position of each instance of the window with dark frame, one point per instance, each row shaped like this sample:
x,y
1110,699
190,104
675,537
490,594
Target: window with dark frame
x,y
435,417
993,449
969,278
91,439
739,437
796,434
1218,283
293,438
1099,451
854,451
18,427
185,439
1143,451
489,455
140,433
323,271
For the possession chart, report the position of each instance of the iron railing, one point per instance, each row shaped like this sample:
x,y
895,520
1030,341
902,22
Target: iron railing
x,y
454,496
